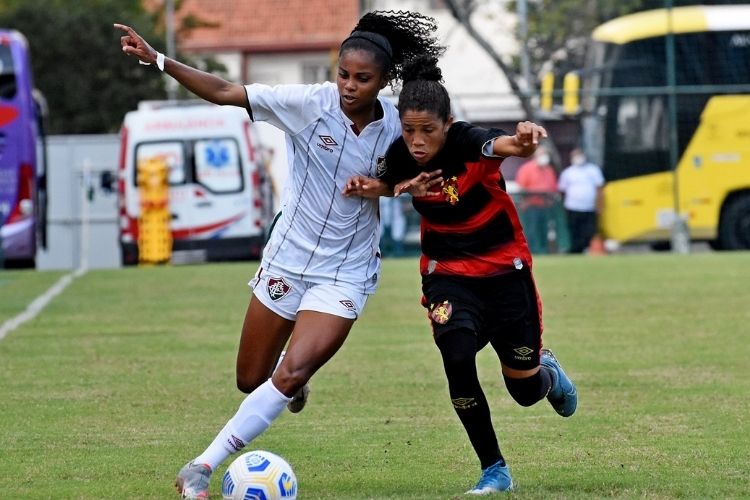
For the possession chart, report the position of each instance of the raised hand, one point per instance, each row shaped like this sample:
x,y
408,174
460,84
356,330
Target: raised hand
x,y
528,135
420,185
134,45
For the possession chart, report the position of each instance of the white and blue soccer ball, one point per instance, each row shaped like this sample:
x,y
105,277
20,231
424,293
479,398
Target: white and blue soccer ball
x,y
259,475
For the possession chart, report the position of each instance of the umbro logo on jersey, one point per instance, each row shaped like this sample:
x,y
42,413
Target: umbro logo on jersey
x,y
327,143
278,288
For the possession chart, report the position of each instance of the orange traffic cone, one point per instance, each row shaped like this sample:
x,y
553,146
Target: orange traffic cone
x,y
596,246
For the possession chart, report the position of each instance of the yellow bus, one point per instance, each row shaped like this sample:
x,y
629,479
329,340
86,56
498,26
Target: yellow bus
x,y
626,124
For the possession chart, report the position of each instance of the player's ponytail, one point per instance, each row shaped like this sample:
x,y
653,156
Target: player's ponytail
x,y
394,37
422,89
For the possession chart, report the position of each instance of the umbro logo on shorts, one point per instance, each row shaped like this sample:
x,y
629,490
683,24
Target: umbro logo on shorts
x,y
278,288
348,304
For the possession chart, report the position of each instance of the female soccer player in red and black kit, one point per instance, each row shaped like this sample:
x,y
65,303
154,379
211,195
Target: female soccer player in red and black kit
x,y
476,265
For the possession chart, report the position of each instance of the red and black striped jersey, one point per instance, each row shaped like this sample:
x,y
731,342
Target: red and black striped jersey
x,y
472,229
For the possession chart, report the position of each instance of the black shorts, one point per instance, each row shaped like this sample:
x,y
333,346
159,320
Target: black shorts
x,y
502,310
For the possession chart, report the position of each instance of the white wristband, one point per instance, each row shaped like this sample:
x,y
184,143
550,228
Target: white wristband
x,y
159,61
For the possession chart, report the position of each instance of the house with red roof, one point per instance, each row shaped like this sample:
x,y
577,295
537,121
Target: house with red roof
x,y
266,41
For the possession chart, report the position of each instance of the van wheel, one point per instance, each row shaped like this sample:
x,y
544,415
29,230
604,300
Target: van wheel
x,y
734,226
129,254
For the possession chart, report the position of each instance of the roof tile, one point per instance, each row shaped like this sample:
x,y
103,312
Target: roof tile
x,y
267,25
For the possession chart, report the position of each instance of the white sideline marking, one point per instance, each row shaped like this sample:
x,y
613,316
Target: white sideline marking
x,y
38,304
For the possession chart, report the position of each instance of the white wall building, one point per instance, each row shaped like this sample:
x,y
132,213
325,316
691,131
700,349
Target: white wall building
x,y
479,90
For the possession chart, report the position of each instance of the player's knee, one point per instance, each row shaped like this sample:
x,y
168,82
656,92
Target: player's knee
x,y
525,391
458,360
248,382
290,380
457,348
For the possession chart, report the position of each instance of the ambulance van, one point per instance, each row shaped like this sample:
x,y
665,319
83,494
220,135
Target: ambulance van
x,y
218,194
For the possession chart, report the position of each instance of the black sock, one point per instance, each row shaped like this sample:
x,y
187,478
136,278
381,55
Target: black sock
x,y
458,348
529,390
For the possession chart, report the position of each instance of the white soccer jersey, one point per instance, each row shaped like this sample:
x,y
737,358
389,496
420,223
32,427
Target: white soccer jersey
x,y
323,236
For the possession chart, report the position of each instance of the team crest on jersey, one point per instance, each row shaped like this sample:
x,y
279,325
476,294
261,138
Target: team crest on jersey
x,y
381,168
278,288
450,190
441,313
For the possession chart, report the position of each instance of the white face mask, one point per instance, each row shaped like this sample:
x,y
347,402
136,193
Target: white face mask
x,y
578,160
543,160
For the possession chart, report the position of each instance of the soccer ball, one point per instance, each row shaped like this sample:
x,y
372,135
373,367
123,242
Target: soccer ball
x,y
259,475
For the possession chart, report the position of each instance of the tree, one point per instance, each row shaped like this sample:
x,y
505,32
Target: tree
x,y
559,30
77,62
462,10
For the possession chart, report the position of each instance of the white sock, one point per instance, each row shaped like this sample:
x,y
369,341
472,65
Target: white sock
x,y
278,363
257,411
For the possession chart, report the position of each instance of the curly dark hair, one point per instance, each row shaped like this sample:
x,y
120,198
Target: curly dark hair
x,y
422,89
408,33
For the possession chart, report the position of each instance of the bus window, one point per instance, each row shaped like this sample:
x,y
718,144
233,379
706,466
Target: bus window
x,y
8,85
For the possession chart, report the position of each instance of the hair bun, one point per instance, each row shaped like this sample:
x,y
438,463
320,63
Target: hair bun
x,y
422,67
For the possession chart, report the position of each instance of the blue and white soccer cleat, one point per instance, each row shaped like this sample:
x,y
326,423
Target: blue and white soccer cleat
x,y
192,481
563,395
495,478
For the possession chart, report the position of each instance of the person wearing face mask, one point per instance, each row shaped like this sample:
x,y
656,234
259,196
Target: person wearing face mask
x,y
581,186
538,182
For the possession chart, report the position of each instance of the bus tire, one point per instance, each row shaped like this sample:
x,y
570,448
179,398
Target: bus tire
x,y
734,226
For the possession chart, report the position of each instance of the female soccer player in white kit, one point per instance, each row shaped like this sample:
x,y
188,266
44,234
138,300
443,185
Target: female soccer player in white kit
x,y
322,260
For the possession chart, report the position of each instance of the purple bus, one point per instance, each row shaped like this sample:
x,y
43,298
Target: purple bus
x,y
22,179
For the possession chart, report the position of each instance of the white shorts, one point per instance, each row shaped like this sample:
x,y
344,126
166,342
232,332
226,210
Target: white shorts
x,y
287,296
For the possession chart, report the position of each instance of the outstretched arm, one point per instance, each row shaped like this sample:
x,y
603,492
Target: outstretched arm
x,y
203,84
420,185
523,144
366,187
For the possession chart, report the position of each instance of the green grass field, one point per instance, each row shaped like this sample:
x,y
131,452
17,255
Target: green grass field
x,y
129,373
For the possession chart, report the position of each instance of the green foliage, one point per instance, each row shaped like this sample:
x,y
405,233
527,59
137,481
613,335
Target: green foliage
x,y
77,62
559,30
130,373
